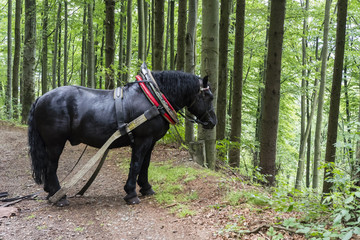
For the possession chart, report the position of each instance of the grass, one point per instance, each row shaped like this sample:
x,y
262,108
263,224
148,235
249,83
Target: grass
x,y
252,197
169,181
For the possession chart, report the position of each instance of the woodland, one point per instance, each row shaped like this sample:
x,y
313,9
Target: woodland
x,y
285,77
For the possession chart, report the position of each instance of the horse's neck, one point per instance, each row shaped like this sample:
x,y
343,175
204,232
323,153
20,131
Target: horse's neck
x,y
176,101
178,98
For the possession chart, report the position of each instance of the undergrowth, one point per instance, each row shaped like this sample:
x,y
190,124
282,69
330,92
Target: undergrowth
x,y
314,219
318,220
168,182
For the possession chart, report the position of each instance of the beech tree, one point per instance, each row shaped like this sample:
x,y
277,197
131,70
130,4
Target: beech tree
x,y
44,55
128,38
9,58
172,32
16,65
335,97
235,134
223,67
90,48
319,116
190,40
209,67
141,35
180,59
110,44
29,57
158,48
66,56
270,119
55,52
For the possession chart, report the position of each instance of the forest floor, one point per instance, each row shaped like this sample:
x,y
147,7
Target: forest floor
x,y
103,214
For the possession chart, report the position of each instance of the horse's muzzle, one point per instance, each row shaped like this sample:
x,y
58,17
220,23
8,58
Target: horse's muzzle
x,y
211,122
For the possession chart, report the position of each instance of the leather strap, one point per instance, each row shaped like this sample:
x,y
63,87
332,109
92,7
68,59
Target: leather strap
x,y
170,111
171,118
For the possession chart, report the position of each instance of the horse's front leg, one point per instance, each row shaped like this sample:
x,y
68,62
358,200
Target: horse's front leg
x,y
143,181
140,149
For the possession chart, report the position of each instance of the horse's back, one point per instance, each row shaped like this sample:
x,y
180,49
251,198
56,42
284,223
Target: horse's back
x,y
68,112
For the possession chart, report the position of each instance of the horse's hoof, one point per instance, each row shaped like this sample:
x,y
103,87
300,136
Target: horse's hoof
x,y
147,192
132,200
62,203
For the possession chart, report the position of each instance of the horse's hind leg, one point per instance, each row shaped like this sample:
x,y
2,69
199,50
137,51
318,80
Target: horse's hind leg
x,y
51,181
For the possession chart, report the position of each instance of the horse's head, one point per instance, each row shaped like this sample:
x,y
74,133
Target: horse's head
x,y
202,106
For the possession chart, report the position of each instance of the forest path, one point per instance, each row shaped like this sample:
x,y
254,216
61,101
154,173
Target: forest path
x,y
103,214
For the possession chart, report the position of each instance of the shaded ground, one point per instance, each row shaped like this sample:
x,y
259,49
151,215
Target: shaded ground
x,y
103,214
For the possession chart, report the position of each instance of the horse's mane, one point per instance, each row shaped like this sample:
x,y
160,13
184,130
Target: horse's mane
x,y
177,83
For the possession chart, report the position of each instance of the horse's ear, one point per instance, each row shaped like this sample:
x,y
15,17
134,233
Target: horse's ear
x,y
205,81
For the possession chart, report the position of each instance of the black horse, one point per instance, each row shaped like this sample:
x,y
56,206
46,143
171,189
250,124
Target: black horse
x,y
83,115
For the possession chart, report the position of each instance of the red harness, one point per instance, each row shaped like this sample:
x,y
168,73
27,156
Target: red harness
x,y
153,100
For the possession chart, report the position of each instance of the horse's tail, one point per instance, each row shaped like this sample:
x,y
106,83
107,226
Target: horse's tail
x,y
37,150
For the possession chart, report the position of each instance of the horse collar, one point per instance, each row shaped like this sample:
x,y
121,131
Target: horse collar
x,y
159,100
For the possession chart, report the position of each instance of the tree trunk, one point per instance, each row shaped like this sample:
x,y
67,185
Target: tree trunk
x,y
91,52
158,48
308,159
172,32
109,44
147,19
16,65
357,163
141,43
349,150
317,147
210,67
223,68
335,97
29,57
96,47
72,47
260,98
300,169
44,58
180,60
128,39
190,59
9,59
120,81
167,38
235,134
66,56
55,53
102,59
59,56
83,50
270,120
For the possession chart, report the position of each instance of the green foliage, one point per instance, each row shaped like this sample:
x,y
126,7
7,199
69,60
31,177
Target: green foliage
x,y
274,234
340,220
182,211
169,181
251,197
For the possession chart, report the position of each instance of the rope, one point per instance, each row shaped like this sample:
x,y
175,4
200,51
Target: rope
x,y
76,163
